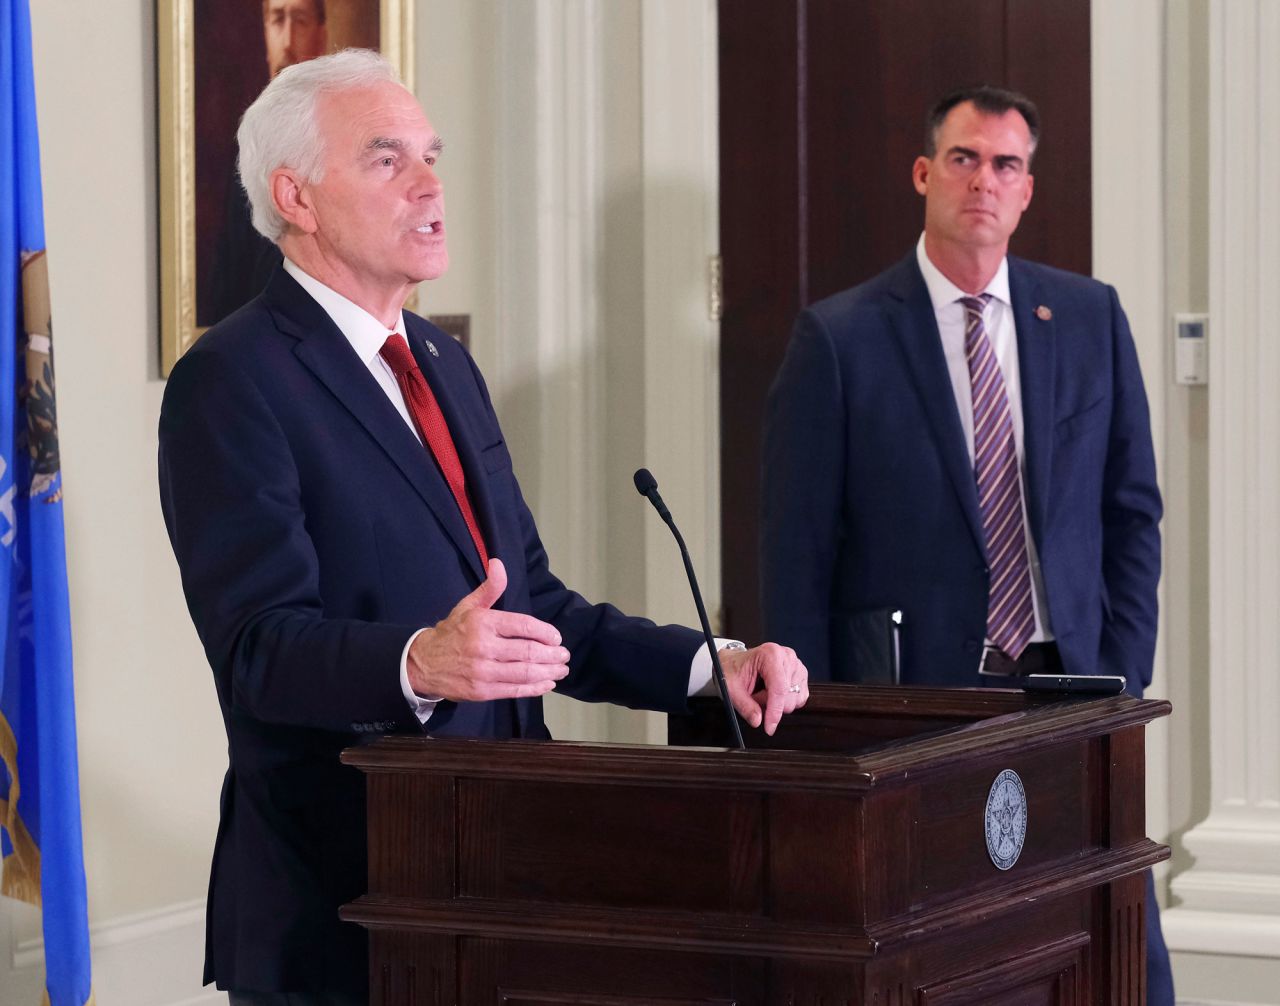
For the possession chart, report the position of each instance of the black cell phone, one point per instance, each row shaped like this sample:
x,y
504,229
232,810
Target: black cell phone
x,y
1073,684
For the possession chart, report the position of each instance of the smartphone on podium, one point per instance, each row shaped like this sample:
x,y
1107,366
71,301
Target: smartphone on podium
x,y
1073,684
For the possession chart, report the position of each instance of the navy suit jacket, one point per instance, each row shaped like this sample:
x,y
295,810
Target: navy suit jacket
x,y
315,535
869,493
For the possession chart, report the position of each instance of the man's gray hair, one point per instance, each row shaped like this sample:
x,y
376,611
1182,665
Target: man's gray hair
x,y
281,129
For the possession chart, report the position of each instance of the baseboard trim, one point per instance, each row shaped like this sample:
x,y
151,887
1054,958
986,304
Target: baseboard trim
x,y
1231,933
1216,1002
206,998
123,930
151,958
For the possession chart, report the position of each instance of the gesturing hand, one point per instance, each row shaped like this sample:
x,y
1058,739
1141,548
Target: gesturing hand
x,y
477,654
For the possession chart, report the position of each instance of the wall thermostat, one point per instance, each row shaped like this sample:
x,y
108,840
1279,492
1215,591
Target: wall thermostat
x,y
1190,348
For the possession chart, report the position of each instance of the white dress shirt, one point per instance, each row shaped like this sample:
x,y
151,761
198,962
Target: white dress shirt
x,y
367,336
1003,335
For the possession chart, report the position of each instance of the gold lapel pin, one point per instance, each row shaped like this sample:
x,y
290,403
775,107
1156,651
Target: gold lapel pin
x,y
1044,314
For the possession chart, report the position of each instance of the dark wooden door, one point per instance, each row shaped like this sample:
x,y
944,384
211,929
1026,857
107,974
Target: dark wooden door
x,y
822,107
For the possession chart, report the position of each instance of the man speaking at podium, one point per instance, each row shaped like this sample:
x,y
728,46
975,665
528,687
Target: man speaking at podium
x,y
354,548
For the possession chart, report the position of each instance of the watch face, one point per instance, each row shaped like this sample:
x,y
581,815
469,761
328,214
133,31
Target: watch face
x,y
1006,819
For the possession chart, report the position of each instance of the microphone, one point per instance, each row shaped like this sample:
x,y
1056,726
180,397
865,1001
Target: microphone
x,y
647,486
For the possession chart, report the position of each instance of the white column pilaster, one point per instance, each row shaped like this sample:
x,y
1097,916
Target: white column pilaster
x,y
1128,244
680,182
562,84
681,233
1230,897
550,369
549,268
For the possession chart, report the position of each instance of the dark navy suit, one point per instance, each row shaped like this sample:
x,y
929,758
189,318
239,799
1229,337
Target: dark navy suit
x,y
869,493
315,535
870,499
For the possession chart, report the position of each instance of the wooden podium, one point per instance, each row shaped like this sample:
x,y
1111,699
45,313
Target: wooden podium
x,y
848,861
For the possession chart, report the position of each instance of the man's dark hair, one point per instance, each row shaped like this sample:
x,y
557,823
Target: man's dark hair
x,y
987,99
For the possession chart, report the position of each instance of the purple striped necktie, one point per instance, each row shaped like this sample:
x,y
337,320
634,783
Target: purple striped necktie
x,y
1010,615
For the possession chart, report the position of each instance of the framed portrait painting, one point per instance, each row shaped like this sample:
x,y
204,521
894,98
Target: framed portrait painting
x,y
215,57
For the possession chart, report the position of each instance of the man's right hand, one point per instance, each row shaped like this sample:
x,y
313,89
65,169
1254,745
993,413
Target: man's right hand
x,y
477,654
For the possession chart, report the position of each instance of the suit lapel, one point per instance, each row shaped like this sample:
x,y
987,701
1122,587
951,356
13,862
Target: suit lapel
x,y
464,436
468,446
1036,338
324,351
911,315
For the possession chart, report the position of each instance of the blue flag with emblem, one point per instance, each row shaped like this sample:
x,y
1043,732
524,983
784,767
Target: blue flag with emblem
x,y
39,785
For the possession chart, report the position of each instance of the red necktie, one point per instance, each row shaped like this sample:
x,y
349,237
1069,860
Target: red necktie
x,y
1010,616
434,430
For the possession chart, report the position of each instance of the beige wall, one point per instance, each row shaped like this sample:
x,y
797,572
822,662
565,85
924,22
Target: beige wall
x,y
1185,481
150,736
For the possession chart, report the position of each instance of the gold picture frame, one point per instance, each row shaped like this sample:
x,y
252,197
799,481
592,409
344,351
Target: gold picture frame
x,y
210,63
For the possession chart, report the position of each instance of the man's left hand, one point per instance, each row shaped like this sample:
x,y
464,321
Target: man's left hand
x,y
765,683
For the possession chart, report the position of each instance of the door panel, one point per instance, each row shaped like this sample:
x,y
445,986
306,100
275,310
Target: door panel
x,y
822,107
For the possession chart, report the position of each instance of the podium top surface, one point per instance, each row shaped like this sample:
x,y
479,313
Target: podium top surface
x,y
853,738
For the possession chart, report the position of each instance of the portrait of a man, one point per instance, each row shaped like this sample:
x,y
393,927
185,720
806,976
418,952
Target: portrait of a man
x,y
239,47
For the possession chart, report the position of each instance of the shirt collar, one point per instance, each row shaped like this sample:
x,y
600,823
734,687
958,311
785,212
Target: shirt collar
x,y
943,292
365,333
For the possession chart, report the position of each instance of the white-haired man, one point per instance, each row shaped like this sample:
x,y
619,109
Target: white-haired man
x,y
354,548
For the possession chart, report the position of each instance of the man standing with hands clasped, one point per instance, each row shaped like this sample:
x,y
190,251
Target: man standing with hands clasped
x,y
354,548
965,438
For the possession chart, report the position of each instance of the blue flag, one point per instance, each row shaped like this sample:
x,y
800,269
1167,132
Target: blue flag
x,y
39,785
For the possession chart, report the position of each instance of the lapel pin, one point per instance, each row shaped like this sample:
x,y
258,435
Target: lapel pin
x,y
431,346
1042,312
